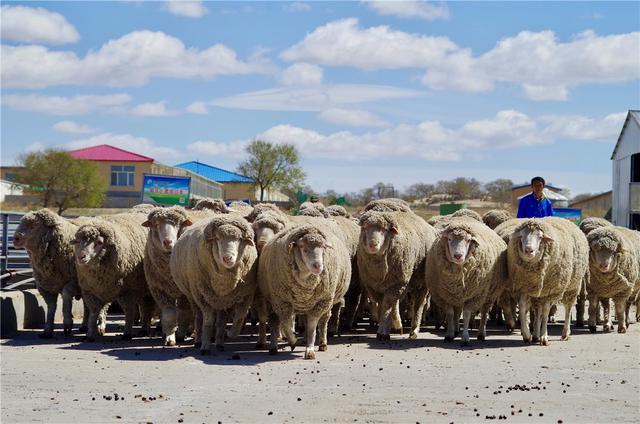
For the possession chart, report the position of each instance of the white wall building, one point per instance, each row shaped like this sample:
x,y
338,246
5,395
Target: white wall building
x,y
626,174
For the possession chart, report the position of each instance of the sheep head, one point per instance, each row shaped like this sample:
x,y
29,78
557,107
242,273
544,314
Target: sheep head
x,y
605,248
260,209
165,226
461,242
91,243
215,205
265,227
32,225
308,244
227,237
532,237
377,231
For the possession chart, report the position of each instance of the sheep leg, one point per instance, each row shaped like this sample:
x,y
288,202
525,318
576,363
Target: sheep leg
x,y
323,331
51,299
416,318
396,320
621,306
147,306
169,319
638,309
482,330
310,335
260,307
537,322
208,320
352,304
274,328
552,313
582,297
466,317
102,319
287,327
198,319
384,323
607,325
544,312
184,319
240,313
566,329
221,324
85,318
509,317
130,308
451,324
335,319
524,315
593,313
67,307
96,308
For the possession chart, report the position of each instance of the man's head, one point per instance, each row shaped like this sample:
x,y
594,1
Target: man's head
x,y
537,185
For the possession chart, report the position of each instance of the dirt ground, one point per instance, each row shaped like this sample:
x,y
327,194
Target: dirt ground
x,y
590,378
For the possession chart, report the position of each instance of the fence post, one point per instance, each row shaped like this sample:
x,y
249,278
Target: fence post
x,y
5,243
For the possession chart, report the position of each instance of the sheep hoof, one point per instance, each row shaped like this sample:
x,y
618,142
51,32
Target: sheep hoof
x,y
83,329
606,328
260,346
322,348
535,339
527,340
125,337
544,341
481,337
273,351
100,331
448,339
46,335
169,342
309,354
622,329
564,337
592,329
205,351
413,335
552,319
220,348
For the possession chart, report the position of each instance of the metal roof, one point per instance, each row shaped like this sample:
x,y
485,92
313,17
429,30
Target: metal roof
x,y
529,185
635,114
104,152
214,173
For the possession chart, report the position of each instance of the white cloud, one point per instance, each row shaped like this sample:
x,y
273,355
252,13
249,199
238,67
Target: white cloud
x,y
140,145
198,108
544,67
156,109
352,117
35,147
297,6
132,59
302,74
36,25
57,105
186,8
72,127
430,140
312,99
411,9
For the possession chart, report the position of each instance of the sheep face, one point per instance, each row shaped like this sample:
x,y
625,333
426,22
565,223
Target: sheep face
x,y
460,244
266,230
165,232
227,243
30,230
376,238
604,260
87,247
308,252
532,241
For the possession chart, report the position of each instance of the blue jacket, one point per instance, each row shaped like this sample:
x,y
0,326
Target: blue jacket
x,y
529,207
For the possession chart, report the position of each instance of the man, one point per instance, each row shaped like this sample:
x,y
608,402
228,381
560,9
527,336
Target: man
x,y
535,204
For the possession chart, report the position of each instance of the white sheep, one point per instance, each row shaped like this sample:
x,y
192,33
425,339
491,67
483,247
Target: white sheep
x,y
214,263
391,259
547,259
614,262
109,253
495,217
466,270
303,270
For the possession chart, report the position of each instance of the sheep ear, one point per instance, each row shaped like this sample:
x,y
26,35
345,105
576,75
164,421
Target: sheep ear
x,y
100,240
74,241
546,238
394,230
328,245
146,223
187,222
291,246
249,241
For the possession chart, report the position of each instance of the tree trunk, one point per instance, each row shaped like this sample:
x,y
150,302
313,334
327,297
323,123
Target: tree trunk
x,y
261,193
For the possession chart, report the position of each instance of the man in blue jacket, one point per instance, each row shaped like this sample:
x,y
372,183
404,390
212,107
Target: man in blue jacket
x,y
535,204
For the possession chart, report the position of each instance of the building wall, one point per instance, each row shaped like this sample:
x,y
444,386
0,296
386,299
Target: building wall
x,y
241,191
8,173
629,144
600,203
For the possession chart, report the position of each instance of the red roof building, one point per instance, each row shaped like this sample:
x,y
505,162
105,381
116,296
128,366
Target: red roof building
x,y
108,153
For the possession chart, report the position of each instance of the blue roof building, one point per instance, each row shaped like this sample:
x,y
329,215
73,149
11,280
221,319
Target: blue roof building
x,y
213,173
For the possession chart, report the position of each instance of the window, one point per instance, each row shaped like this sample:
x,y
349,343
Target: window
x,y
635,168
122,175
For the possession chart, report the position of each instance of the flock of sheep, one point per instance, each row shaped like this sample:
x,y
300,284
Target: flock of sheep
x,y
213,265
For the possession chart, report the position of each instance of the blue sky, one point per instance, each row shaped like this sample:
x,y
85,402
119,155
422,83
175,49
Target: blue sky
x,y
398,92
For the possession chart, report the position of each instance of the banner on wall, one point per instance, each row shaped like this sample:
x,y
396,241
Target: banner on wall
x,y
166,190
574,215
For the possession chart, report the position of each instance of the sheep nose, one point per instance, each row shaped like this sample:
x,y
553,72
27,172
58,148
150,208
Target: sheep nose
x,y
317,266
457,256
227,259
168,243
528,250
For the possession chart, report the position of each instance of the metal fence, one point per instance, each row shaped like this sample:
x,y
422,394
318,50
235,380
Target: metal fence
x,y
14,263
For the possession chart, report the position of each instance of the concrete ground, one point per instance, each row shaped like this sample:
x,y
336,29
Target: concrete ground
x,y
590,378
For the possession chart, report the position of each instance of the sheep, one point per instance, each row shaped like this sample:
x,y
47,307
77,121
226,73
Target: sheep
x,y
261,208
337,210
166,225
313,209
216,205
614,262
214,263
390,204
47,238
466,270
241,207
468,213
589,224
266,226
109,253
391,257
495,217
303,270
547,259
507,301
441,221
142,207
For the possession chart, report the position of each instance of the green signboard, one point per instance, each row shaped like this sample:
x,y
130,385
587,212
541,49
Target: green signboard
x,y
166,190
